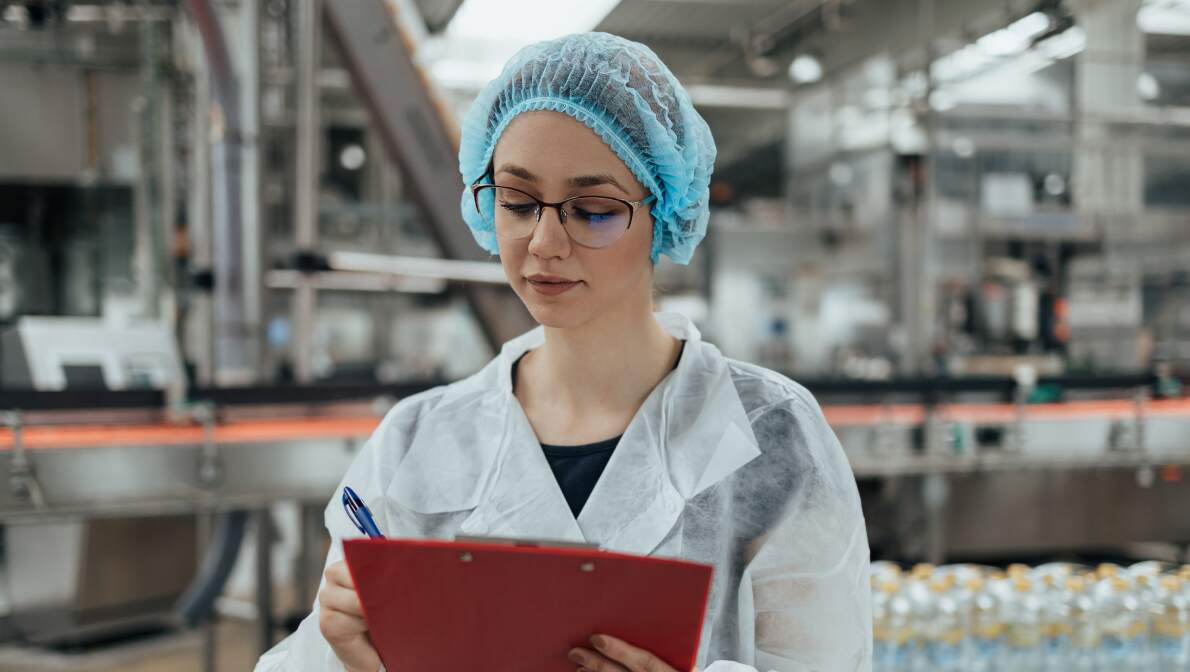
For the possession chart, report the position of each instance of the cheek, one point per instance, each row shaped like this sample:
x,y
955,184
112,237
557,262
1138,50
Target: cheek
x,y
641,234
627,262
512,255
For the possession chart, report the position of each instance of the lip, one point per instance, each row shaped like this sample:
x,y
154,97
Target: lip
x,y
551,285
543,277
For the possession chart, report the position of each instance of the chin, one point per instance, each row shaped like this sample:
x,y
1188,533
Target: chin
x,y
556,316
562,314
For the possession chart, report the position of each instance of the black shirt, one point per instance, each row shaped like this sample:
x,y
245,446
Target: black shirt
x,y
578,468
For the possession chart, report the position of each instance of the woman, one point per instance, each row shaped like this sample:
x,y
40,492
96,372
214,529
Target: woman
x,y
584,161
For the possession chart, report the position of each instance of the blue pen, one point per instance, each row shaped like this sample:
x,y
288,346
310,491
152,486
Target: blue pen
x,y
359,514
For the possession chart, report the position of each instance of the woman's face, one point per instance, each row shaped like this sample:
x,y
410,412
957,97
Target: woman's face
x,y
552,156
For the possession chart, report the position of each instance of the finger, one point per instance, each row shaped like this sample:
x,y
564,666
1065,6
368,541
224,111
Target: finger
x,y
339,575
634,658
340,599
339,627
593,661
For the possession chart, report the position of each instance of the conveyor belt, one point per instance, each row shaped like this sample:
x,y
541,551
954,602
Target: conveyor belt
x,y
914,414
358,427
244,431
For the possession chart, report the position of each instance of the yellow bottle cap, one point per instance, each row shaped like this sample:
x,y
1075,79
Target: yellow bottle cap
x,y
923,569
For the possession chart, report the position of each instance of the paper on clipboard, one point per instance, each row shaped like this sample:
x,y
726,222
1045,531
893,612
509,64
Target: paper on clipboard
x,y
443,605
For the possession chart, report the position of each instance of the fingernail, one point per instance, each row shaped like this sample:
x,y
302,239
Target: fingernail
x,y
575,657
599,641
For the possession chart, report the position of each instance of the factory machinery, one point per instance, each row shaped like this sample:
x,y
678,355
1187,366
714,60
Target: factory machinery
x,y
108,476
117,446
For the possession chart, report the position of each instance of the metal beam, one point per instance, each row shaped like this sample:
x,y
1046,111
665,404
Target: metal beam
x,y
418,135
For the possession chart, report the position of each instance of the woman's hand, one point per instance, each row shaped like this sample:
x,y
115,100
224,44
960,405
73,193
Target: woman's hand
x,y
616,655
341,620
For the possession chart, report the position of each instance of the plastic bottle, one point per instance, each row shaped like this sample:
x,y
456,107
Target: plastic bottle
x,y
1145,589
1084,626
1171,625
1150,568
917,591
985,628
942,632
1023,652
883,571
1107,570
1122,624
892,619
1060,571
1055,623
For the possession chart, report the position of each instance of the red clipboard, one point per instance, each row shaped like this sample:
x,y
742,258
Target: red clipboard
x,y
453,606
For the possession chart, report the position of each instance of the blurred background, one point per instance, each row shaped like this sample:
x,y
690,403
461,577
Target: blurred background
x,y
230,241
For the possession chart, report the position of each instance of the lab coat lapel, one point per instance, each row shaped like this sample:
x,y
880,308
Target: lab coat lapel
x,y
690,433
522,498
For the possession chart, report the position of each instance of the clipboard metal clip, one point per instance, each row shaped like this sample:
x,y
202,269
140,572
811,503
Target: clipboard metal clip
x,y
533,543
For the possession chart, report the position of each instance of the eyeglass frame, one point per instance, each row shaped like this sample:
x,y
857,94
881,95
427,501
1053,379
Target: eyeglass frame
x,y
542,205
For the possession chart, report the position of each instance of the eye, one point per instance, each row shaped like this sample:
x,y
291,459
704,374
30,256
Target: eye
x,y
518,208
594,217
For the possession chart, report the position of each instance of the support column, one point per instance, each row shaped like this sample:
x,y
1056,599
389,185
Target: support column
x,y
309,150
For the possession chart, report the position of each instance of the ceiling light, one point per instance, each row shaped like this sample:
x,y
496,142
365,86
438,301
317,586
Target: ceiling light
x,y
352,157
1055,184
963,148
805,69
1147,86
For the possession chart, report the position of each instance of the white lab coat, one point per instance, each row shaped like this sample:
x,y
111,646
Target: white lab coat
x,y
725,463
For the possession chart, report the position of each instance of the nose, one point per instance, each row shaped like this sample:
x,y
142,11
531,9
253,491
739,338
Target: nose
x,y
550,239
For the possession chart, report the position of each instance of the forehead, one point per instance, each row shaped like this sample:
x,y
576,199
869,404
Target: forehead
x,y
557,145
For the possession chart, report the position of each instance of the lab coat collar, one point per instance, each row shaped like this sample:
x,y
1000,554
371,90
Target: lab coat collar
x,y
691,432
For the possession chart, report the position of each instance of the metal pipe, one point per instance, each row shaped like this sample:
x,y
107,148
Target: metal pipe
x,y
198,227
219,559
264,578
235,359
309,126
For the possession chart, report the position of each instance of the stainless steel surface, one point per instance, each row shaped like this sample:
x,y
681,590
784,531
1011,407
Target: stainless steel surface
x,y
352,281
75,579
1060,510
484,272
108,481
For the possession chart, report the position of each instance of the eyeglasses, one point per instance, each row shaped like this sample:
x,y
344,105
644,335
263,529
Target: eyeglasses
x,y
590,221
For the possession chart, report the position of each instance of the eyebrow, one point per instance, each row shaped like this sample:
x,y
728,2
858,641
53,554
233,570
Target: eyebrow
x,y
580,181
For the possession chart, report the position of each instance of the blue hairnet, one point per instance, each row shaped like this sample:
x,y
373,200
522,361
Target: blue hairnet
x,y
623,92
